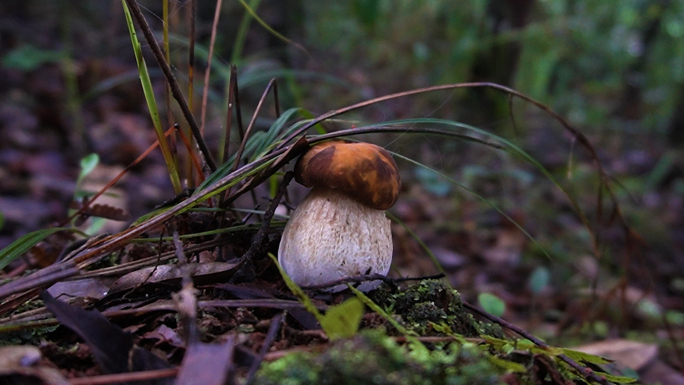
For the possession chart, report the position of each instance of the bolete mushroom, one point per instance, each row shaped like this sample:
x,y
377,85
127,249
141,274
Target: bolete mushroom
x,y
340,228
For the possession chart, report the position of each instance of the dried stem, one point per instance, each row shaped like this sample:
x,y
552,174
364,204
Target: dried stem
x,y
212,41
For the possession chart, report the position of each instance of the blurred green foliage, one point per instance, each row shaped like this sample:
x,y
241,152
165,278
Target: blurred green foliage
x,y
577,56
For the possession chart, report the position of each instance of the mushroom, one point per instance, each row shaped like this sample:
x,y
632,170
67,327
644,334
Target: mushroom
x,y
340,229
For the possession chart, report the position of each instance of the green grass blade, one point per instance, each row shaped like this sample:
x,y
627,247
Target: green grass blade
x,y
206,191
268,27
151,102
259,144
269,139
241,35
420,241
21,245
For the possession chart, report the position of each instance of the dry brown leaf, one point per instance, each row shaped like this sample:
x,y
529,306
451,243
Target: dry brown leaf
x,y
204,272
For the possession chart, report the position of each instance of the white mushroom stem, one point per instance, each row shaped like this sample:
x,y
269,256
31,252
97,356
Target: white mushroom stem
x,y
331,236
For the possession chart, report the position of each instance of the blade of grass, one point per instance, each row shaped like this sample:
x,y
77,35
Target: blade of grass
x,y
422,244
270,138
241,35
191,16
171,79
256,140
27,241
167,90
507,145
269,29
151,102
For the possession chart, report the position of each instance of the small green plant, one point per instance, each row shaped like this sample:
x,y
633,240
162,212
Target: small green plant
x,y
339,321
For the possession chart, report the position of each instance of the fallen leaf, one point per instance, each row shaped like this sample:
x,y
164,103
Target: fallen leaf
x,y
207,364
82,288
112,348
200,272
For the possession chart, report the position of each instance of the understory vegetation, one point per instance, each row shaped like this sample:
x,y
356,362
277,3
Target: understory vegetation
x,y
145,181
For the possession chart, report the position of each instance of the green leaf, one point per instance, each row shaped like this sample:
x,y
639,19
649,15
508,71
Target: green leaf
x,y
2,221
539,279
269,139
340,321
88,164
268,27
506,365
618,379
672,316
343,320
29,58
586,357
491,304
21,245
441,328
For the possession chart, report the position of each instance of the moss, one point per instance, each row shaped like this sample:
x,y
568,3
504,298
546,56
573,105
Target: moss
x,y
373,358
432,301
30,336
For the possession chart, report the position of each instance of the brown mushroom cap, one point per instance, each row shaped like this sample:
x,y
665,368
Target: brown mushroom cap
x,y
363,171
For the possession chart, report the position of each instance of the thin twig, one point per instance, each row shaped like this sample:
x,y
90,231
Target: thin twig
x,y
260,236
171,79
212,41
192,18
233,100
229,116
251,123
582,370
275,98
238,109
245,137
